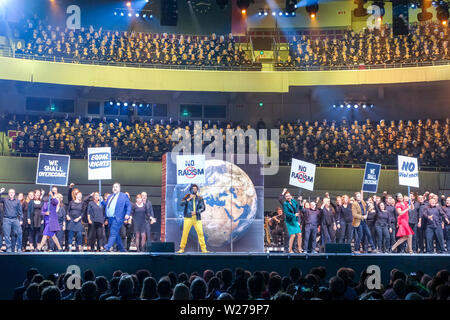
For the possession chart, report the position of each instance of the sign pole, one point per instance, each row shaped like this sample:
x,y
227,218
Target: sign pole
x,y
100,188
409,195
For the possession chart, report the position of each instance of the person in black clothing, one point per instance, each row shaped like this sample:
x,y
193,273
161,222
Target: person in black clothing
x,y
414,215
328,223
12,219
34,218
446,210
312,220
138,215
371,218
344,222
421,237
149,218
96,220
74,225
382,226
433,217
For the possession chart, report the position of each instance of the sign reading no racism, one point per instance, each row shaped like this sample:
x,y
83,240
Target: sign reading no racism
x,y
371,177
408,171
191,169
99,163
53,169
302,174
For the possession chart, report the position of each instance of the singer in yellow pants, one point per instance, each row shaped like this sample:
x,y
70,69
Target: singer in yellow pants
x,y
187,225
193,205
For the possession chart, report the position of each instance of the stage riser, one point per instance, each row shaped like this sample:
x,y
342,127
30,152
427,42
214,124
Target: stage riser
x,y
13,267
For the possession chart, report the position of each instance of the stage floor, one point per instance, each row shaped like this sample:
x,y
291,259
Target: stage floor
x,y
13,266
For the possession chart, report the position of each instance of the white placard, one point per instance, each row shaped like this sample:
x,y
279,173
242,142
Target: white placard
x,y
302,174
99,163
191,169
408,171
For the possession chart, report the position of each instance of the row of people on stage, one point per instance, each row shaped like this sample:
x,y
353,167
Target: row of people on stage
x,y
39,220
385,224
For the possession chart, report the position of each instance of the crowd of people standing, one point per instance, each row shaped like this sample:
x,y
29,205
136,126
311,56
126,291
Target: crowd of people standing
x,y
40,221
381,223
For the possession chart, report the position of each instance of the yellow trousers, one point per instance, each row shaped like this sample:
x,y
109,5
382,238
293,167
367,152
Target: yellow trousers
x,y
188,223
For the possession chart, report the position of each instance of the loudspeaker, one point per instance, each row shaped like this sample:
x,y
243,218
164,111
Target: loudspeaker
x,y
160,247
169,13
338,248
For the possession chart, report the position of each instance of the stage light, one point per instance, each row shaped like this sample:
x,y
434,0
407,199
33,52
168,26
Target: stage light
x,y
144,16
137,15
355,106
286,13
111,103
274,13
260,13
243,5
115,13
125,104
121,14
293,14
140,105
348,106
364,106
133,105
266,13
371,106
261,104
312,9
334,106
291,6
129,14
129,4
379,18
442,12
118,104
151,16
342,106
280,13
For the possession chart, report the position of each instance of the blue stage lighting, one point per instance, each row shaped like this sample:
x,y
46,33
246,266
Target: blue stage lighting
x,y
125,104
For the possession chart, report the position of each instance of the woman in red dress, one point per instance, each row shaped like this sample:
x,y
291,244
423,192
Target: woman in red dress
x,y
404,230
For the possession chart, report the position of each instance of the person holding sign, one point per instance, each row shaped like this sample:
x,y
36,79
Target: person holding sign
x,y
51,220
193,205
404,231
360,215
291,210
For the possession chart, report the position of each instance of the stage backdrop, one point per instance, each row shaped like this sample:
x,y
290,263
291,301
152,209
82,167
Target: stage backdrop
x,y
234,197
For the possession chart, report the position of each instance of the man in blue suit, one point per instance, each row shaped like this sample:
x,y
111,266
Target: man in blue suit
x,y
118,208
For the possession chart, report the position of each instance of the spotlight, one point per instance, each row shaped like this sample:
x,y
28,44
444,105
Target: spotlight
x,y
118,104
444,23
144,16
334,106
115,13
342,106
274,13
355,106
259,13
442,12
266,13
293,14
121,14
364,106
291,6
243,5
129,14
286,13
140,105
348,106
129,4
280,13
137,15
312,9
111,103
371,106
151,16
125,104
133,105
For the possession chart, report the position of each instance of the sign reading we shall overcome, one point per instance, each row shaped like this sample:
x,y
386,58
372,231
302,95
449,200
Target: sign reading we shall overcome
x,y
371,177
53,169
302,174
99,163
408,171
191,169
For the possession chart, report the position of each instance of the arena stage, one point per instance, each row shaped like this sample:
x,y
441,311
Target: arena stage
x,y
13,266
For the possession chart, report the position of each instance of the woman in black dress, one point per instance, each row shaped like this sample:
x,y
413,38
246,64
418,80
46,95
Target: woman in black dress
x,y
74,225
35,219
138,214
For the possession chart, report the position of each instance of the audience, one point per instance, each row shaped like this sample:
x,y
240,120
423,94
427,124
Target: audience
x,y
87,44
253,286
320,142
424,43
